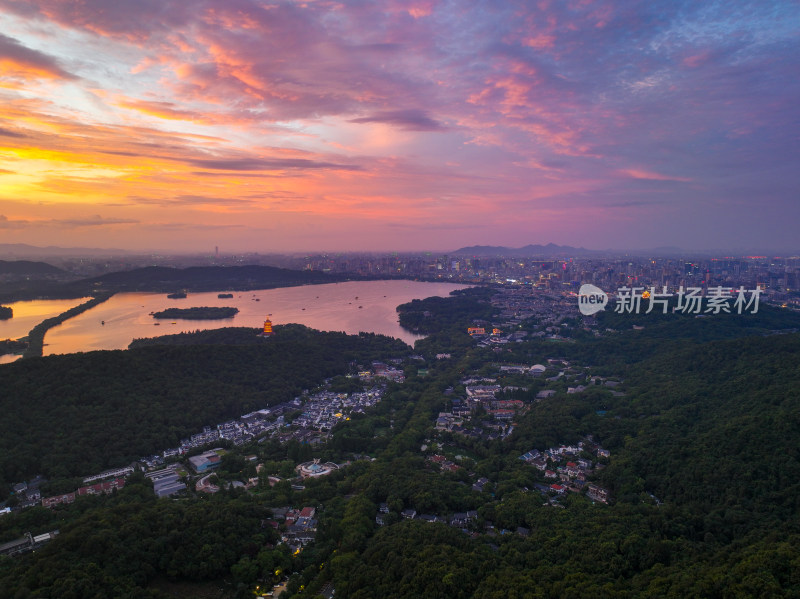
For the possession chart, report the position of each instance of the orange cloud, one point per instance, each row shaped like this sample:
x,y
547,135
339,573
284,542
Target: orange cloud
x,y
636,173
162,110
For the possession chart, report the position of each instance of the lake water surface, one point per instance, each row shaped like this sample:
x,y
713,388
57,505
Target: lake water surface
x,y
27,315
351,307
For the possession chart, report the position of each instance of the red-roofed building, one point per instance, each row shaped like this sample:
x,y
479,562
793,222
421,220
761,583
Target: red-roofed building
x,y
104,487
52,501
509,404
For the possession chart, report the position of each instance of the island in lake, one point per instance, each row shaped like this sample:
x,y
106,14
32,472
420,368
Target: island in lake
x,y
177,295
225,295
12,346
6,312
199,313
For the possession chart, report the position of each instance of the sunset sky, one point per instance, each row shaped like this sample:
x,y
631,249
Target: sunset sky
x,y
394,125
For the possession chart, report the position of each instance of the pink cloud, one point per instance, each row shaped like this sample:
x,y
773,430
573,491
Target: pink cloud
x,y
541,41
695,60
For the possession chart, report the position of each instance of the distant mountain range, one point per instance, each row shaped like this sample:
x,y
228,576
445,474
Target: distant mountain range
x,y
550,249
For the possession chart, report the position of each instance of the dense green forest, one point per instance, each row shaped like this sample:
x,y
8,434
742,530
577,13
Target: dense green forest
x,y
703,471
436,314
704,474
224,336
118,546
75,414
198,313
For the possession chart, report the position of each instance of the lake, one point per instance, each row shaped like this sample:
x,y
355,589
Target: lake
x,y
27,315
353,307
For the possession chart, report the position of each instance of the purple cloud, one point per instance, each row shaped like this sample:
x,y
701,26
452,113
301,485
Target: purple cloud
x,y
25,62
96,221
9,133
409,120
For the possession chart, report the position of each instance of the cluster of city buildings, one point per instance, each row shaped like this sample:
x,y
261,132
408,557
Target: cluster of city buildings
x,y
326,409
526,313
480,396
166,481
27,543
299,526
100,488
516,304
318,414
460,520
27,493
467,522
380,370
551,269
569,468
445,464
778,276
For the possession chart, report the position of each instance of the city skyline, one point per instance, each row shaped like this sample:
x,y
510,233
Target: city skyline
x,y
398,126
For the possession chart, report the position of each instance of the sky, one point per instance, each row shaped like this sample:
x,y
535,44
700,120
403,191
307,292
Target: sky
x,y
396,125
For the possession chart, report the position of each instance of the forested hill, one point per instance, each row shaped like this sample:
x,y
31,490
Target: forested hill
x,y
26,279
704,474
166,279
71,415
202,278
27,267
223,336
719,430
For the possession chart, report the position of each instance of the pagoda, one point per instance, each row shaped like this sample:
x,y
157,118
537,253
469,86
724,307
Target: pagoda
x,y
268,332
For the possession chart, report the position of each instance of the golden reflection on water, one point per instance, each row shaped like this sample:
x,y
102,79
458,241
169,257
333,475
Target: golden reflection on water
x,y
350,307
30,313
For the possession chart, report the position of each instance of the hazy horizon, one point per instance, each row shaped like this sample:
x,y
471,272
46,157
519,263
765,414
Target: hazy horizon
x,y
42,251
